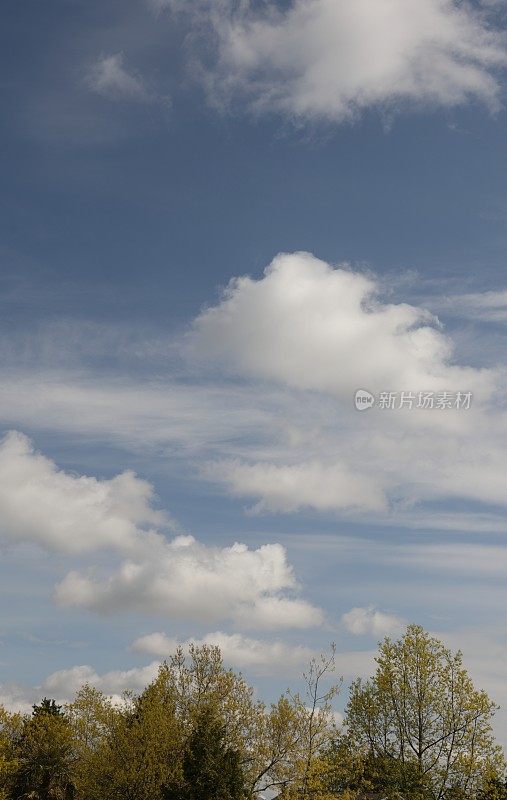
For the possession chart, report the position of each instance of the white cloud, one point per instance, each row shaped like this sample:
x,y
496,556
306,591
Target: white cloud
x,y
288,488
241,652
110,78
456,558
325,332
484,649
157,644
17,699
323,59
184,579
256,656
70,513
270,613
370,620
283,433
314,327
63,684
180,578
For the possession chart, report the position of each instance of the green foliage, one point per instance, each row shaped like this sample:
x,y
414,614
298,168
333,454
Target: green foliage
x,y
493,788
10,730
422,712
47,706
92,718
45,756
211,769
417,730
135,749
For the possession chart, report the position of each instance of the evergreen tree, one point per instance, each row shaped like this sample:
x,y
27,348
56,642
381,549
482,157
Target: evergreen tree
x,y
211,769
47,706
45,756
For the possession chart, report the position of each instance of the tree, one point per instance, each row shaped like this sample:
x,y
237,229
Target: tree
x,y
132,751
274,757
494,788
92,718
278,746
351,771
136,748
421,713
47,706
211,769
45,756
200,681
10,729
319,720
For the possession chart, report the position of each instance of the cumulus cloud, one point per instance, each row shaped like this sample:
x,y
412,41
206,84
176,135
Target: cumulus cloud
x,y
270,613
237,650
184,579
109,77
370,620
484,651
316,327
181,578
70,513
321,333
322,59
63,685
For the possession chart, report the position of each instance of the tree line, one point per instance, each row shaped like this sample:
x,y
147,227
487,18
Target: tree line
x,y
417,729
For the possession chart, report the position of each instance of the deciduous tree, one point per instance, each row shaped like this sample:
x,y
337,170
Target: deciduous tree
x,y
421,713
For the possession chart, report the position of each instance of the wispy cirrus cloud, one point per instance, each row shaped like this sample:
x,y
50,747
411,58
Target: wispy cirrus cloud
x,y
290,487
480,306
109,77
324,60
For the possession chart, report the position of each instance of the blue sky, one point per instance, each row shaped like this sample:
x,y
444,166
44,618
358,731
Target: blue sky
x,y
215,227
